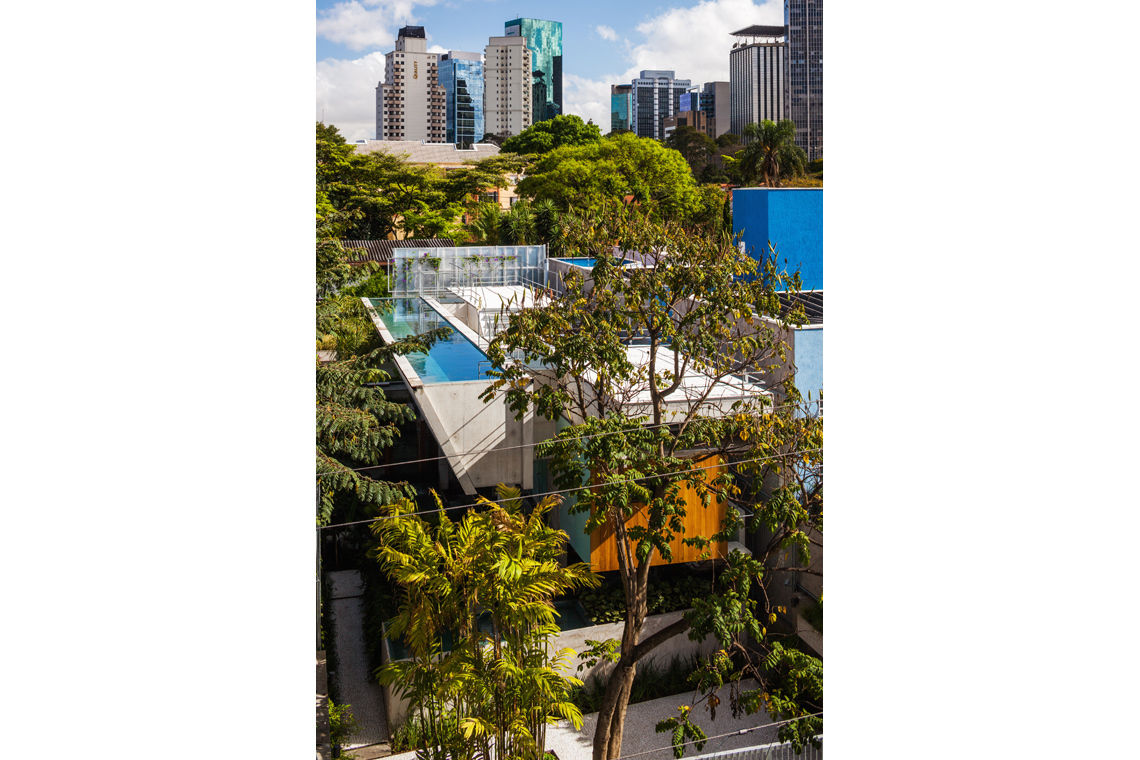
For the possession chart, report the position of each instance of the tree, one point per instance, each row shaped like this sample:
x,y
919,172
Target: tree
x,y
545,136
587,177
697,148
494,693
770,153
701,307
355,421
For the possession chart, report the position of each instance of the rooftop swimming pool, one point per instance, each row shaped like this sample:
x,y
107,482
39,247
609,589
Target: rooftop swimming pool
x,y
588,263
451,359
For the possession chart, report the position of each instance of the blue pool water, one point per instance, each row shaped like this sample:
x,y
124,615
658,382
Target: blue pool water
x,y
451,359
588,263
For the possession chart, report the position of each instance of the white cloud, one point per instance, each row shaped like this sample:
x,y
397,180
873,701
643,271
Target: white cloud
x,y
588,98
606,33
346,94
695,41
364,24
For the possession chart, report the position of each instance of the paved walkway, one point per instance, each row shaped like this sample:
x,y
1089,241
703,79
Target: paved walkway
x,y
366,697
639,734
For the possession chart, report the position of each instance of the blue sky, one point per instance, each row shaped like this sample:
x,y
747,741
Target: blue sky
x,y
603,43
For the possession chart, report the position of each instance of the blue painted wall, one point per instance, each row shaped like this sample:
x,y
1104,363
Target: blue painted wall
x,y
792,219
809,362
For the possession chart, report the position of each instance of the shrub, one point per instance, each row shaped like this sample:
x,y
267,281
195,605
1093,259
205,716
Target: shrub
x,y
341,725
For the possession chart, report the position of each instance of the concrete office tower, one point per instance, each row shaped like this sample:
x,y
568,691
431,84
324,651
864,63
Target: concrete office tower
x,y
756,76
656,94
621,106
544,38
410,102
804,79
461,77
507,96
712,99
715,101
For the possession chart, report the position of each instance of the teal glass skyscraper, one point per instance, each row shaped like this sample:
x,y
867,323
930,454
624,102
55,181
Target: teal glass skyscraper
x,y
544,40
461,77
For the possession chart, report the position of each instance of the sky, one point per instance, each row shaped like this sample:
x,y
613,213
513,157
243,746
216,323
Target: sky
x,y
602,44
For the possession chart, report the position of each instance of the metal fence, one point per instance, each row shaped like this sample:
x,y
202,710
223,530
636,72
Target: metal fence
x,y
428,271
767,752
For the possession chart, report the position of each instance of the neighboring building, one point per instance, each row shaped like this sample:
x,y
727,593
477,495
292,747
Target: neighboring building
x,y
410,102
715,101
756,76
444,155
698,120
544,39
461,77
507,94
804,78
656,94
621,106
380,251
789,218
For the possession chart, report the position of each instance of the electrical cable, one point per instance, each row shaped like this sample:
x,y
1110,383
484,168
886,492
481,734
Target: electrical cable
x,y
578,488
517,446
740,732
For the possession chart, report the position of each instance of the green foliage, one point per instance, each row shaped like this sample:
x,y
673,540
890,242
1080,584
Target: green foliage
x,y
770,154
375,286
587,177
494,693
700,152
683,732
718,312
813,613
607,604
546,136
790,680
356,422
409,735
341,725
652,681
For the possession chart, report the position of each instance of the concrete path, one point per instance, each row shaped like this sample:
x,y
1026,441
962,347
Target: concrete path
x,y
639,735
366,697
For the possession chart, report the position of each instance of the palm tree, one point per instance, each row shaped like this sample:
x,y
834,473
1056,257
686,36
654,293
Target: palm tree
x,y
485,224
492,696
771,152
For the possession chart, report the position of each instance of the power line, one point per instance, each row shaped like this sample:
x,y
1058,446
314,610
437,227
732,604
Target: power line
x,y
741,732
517,446
578,488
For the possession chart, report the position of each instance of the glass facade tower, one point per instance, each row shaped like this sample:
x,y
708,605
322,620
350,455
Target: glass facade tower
x,y
621,96
461,77
544,40
804,81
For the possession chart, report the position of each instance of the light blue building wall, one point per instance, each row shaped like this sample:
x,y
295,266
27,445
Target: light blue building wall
x,y
461,77
808,352
791,219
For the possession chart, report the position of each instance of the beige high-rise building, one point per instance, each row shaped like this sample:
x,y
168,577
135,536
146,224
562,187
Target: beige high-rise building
x,y
508,82
410,104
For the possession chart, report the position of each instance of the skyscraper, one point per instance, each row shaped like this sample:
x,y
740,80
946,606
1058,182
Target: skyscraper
x,y
544,39
461,77
656,94
804,84
714,101
507,97
756,76
410,102
621,104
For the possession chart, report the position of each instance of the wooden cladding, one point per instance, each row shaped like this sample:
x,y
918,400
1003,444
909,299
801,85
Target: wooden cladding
x,y
698,521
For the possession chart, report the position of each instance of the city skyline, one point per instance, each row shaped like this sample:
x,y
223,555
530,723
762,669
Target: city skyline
x,y
603,45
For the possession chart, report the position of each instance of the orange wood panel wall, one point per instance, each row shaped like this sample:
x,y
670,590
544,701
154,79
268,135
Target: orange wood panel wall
x,y
699,521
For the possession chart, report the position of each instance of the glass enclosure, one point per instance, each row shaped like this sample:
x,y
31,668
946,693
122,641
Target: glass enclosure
x,y
430,271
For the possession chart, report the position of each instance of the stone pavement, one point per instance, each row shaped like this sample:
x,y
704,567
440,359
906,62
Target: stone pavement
x,y
353,685
639,734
